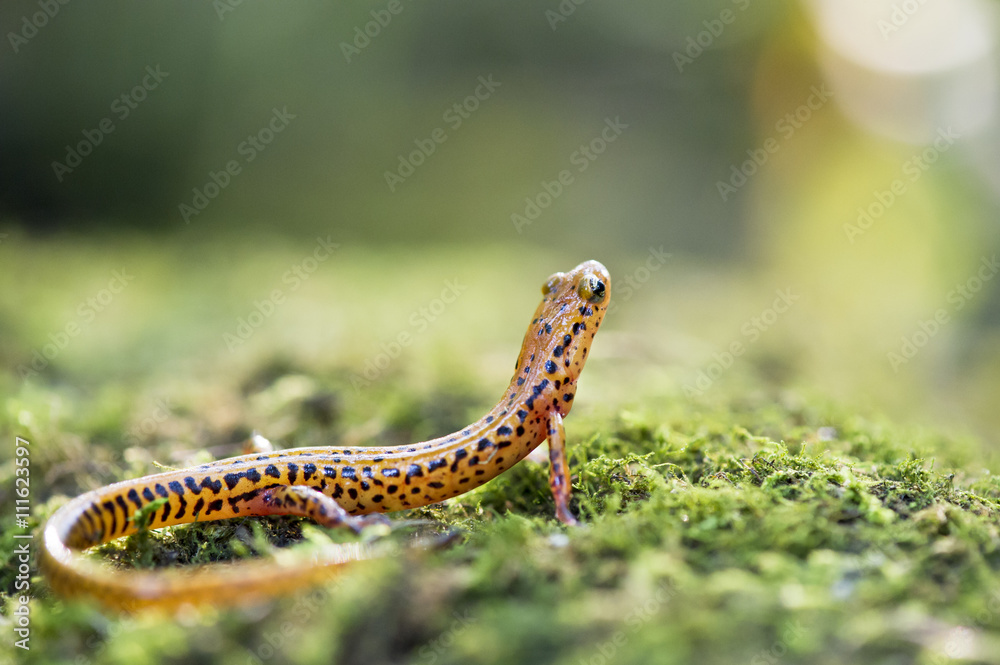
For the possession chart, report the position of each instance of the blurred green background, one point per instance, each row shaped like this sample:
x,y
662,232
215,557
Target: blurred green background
x,y
750,138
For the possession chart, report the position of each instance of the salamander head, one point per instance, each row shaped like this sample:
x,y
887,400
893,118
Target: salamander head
x,y
572,308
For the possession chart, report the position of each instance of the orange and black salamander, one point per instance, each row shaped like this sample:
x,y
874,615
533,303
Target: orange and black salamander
x,y
338,486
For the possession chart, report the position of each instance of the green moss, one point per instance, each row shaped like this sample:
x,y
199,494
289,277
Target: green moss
x,y
752,527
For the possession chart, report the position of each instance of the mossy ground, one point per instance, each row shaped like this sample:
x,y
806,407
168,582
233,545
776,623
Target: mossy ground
x,y
756,526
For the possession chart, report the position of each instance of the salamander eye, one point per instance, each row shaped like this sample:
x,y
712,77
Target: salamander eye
x,y
551,285
591,289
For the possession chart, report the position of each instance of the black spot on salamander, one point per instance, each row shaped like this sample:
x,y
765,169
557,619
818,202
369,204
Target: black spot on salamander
x,y
121,504
550,367
338,491
214,507
353,493
390,473
182,509
522,414
308,470
147,494
489,419
504,430
109,507
512,395
483,444
176,488
293,473
365,486
519,431
436,485
436,464
133,496
246,496
532,357
502,444
214,485
377,459
415,490
566,340
480,472
231,479
413,470
166,512
460,454
198,505
466,432
568,397
192,485
557,351
520,380
348,472
576,327
366,472
377,498
474,460
537,390
530,402
329,472
391,489
272,471
548,329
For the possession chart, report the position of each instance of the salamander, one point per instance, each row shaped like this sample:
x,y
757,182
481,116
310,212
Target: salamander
x,y
338,486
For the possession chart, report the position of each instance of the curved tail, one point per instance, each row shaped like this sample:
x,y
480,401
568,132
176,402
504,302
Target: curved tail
x,y
85,522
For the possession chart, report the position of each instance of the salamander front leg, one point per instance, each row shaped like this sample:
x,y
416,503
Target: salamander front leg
x,y
559,469
308,502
